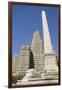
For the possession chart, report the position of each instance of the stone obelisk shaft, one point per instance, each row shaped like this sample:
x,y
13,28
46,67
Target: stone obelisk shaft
x,y
46,34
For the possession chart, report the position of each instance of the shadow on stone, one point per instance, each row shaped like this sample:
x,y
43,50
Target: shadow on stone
x,y
31,63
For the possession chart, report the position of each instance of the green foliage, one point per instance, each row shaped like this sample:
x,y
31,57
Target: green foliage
x,y
14,80
45,71
17,77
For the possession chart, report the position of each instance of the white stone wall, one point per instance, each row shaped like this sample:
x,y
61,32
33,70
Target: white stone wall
x,y
37,50
15,64
24,60
51,63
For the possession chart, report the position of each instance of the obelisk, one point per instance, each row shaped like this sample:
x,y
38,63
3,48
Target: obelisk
x,y
50,63
47,40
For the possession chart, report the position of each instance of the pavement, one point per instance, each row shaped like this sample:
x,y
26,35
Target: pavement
x,y
37,82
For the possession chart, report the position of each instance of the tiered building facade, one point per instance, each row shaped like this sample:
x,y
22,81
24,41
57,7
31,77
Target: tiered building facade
x,y
30,56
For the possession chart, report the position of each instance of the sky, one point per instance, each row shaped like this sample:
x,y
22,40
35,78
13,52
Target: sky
x,y
27,19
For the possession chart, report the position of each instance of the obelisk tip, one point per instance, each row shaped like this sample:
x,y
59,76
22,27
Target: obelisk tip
x,y
43,12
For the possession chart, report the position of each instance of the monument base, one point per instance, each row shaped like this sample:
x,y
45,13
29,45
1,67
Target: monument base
x,y
50,75
50,66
